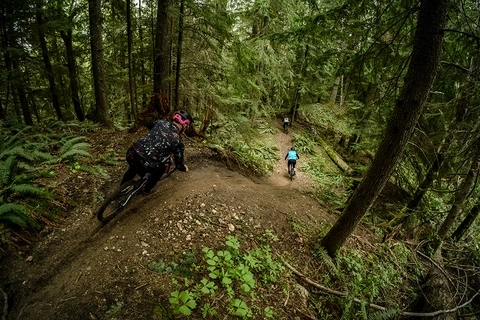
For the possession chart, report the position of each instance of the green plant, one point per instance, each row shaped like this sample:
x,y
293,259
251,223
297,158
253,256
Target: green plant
x,y
231,274
182,302
239,308
114,310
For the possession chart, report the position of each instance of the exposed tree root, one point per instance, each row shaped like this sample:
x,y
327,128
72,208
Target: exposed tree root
x,y
376,306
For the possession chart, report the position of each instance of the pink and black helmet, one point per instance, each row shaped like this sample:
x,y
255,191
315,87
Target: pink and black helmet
x,y
182,117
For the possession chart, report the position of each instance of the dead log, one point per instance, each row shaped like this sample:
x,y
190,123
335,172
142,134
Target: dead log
x,y
339,162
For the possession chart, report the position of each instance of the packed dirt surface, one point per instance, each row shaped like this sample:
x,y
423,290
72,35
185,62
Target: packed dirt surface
x,y
81,269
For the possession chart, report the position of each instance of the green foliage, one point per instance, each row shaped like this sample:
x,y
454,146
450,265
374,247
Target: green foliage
x,y
15,214
27,155
182,302
229,274
303,143
250,145
370,276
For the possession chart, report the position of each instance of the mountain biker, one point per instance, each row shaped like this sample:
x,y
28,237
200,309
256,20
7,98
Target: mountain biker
x,y
146,155
286,121
292,157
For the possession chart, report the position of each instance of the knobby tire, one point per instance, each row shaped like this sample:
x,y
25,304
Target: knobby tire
x,y
114,204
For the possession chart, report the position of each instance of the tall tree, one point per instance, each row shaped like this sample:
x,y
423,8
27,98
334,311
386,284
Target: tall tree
x,y
425,59
96,43
46,61
467,222
131,75
162,49
179,54
460,196
67,36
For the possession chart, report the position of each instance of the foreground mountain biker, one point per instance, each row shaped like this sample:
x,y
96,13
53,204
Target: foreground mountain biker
x,y
292,157
146,155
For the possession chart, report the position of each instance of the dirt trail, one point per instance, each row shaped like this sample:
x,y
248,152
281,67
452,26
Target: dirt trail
x,y
81,269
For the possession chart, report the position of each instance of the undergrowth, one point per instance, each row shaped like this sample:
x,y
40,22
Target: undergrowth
x,y
249,142
29,156
226,280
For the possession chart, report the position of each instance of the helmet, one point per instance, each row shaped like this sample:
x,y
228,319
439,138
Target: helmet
x,y
182,117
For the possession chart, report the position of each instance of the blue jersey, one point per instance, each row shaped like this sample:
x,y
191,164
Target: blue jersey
x,y
292,155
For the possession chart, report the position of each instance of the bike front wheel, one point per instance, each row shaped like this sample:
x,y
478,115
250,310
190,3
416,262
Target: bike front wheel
x,y
115,203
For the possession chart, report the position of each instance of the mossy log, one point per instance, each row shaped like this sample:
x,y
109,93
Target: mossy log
x,y
339,162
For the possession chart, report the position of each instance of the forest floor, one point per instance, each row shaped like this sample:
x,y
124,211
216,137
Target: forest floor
x,y
81,269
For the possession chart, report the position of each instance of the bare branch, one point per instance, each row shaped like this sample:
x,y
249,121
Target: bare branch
x,y
376,306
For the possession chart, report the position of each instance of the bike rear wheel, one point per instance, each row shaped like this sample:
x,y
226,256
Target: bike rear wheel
x,y
291,171
115,203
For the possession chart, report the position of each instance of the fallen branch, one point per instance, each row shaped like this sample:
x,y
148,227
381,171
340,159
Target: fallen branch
x,y
376,306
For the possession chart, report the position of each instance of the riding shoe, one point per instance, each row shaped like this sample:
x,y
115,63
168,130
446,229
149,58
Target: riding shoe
x,y
153,190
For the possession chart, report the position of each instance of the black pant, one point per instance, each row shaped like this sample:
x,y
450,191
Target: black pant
x,y
135,167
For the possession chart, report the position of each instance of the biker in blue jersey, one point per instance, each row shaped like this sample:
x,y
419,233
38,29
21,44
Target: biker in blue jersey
x,y
292,157
148,153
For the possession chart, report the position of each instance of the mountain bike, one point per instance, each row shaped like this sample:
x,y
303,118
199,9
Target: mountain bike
x,y
291,171
118,200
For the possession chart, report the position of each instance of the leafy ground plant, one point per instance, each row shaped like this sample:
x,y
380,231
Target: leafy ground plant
x,y
228,278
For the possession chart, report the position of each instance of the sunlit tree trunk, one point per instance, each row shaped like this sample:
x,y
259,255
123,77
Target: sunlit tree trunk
x,y
48,64
96,42
425,59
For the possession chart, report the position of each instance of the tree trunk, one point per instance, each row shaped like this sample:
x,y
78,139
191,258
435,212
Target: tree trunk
x,y
2,113
96,42
11,60
460,197
461,112
426,182
162,49
46,61
72,73
141,59
131,76
18,84
425,59
179,54
466,223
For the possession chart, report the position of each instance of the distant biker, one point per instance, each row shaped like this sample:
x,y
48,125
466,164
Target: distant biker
x,y
292,157
147,154
286,121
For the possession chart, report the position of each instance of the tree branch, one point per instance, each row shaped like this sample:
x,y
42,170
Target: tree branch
x,y
455,65
376,306
463,32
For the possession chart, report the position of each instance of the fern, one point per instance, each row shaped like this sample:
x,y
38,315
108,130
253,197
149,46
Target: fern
x,y
15,214
95,170
6,170
40,155
29,189
74,147
19,152
70,143
75,152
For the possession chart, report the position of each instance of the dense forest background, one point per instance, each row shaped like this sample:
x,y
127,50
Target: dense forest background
x,y
353,74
